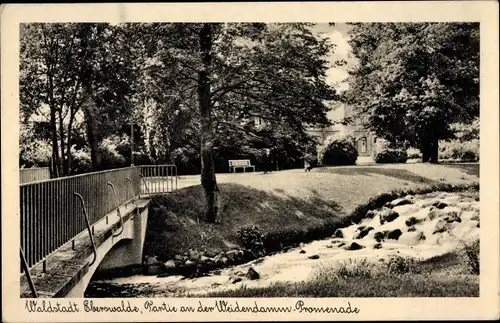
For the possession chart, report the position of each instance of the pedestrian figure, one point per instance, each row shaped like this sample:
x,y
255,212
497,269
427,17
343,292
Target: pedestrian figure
x,y
267,164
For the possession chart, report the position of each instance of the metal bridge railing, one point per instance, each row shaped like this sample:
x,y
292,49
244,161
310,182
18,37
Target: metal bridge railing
x,y
52,216
158,179
28,175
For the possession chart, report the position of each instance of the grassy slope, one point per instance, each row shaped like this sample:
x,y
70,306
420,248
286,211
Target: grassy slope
x,y
296,202
442,276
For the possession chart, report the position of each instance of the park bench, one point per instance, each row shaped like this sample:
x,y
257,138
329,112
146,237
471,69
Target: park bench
x,y
241,163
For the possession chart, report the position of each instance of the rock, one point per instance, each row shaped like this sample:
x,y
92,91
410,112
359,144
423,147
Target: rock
x,y
388,215
379,236
411,221
329,246
179,258
341,244
153,261
411,229
231,255
439,204
252,274
301,245
452,217
338,234
477,225
189,263
441,226
361,234
313,257
409,197
302,251
434,213
394,234
377,246
204,258
170,264
371,214
401,201
361,227
354,246
235,279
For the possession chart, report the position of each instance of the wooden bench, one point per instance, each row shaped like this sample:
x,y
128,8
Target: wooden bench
x,y
241,163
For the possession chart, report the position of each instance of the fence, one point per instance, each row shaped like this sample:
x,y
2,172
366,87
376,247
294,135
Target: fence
x,y
51,215
158,179
28,175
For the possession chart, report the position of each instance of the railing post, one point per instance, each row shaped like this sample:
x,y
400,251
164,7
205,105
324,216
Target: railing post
x,y
117,209
24,264
88,227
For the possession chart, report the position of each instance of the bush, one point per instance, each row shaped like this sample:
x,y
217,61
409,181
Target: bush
x,y
253,239
391,156
413,153
472,255
385,152
461,151
339,151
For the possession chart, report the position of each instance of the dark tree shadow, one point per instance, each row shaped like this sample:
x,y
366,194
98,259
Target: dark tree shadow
x,y
402,174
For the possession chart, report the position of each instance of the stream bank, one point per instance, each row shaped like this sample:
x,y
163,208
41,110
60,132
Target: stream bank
x,y
417,226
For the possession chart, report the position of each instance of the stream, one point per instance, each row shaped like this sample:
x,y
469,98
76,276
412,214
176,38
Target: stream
x,y
420,226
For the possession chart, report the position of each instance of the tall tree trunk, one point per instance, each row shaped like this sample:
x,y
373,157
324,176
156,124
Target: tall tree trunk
x,y
208,180
433,151
56,162
425,149
61,138
88,107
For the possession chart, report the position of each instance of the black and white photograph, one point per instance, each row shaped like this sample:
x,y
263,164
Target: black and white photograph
x,y
223,159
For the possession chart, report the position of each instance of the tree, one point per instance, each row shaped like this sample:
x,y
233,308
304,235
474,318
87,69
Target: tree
x,y
414,79
49,83
275,72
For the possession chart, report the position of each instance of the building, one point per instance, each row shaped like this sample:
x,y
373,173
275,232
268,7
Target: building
x,y
364,139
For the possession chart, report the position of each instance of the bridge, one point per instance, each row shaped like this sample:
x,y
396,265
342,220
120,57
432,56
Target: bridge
x,y
75,226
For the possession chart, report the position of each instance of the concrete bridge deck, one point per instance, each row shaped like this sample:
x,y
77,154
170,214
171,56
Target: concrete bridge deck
x,y
69,271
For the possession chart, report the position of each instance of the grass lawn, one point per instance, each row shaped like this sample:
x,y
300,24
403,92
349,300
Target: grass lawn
x,y
289,206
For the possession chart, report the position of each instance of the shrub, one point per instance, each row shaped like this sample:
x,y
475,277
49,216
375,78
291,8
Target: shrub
x,y
253,239
472,256
339,151
391,156
413,153
460,151
386,152
402,265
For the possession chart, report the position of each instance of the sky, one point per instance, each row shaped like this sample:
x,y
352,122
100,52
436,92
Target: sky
x,y
336,75
338,36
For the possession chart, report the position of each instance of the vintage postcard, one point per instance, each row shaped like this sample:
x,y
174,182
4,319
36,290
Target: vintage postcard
x,y
250,161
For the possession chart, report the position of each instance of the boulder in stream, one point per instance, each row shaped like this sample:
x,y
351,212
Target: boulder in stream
x,y
378,245
364,232
338,234
394,234
401,201
388,215
252,274
354,246
379,236
439,204
313,257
